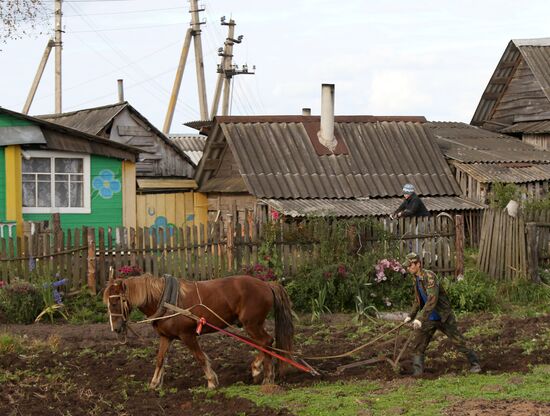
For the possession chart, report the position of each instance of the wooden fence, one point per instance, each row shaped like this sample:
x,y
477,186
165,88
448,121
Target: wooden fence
x,y
514,247
85,255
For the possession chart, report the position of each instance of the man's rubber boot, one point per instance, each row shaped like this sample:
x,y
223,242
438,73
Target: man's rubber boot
x,y
475,367
418,365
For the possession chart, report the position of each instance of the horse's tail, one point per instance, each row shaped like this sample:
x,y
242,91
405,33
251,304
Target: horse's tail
x,y
284,326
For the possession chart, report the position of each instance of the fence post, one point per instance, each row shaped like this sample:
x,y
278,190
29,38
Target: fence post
x,y
230,246
91,261
459,245
531,236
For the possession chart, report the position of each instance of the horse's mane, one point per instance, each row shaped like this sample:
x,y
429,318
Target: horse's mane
x,y
147,289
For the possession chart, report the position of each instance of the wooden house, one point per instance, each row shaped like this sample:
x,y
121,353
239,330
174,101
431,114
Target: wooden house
x,y
165,185
516,100
278,162
51,169
480,158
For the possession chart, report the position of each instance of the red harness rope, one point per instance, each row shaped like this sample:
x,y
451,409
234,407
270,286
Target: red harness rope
x,y
202,322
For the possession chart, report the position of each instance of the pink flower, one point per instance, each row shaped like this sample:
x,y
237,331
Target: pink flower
x,y
274,215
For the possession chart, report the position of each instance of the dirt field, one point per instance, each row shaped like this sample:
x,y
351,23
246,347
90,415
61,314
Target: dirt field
x,y
88,372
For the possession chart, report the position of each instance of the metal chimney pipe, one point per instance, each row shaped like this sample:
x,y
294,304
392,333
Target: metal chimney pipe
x,y
306,111
326,135
120,90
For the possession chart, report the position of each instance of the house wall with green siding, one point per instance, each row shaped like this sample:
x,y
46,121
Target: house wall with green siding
x,y
2,185
105,211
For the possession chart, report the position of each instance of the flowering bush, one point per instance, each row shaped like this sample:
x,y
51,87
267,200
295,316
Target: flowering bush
x,y
383,265
127,271
261,271
21,302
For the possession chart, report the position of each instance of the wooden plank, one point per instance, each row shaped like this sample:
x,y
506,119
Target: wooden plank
x,y
140,253
195,238
188,254
91,281
161,255
154,251
148,267
4,264
202,253
76,284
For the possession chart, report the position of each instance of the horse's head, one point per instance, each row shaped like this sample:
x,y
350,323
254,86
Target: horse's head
x,y
118,306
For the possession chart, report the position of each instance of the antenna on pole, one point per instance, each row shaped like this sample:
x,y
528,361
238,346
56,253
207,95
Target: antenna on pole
x,y
194,31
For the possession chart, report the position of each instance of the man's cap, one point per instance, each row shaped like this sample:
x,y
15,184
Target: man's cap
x,y
408,188
411,258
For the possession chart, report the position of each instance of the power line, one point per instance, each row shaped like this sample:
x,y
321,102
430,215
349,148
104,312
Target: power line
x,y
127,28
127,12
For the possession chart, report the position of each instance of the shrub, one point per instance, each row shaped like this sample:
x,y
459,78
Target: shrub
x,y
20,302
85,308
502,193
472,293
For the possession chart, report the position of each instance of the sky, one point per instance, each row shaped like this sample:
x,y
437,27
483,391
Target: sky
x,y
400,57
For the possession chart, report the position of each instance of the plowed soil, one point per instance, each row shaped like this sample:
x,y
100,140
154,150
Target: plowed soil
x,y
83,370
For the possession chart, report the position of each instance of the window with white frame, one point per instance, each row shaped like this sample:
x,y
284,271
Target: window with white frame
x,y
55,182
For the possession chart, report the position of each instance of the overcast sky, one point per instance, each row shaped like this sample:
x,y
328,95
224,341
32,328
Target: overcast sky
x,y
399,57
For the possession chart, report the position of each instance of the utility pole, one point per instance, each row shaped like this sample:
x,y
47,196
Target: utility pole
x,y
226,69
199,63
177,82
38,76
224,53
58,46
194,32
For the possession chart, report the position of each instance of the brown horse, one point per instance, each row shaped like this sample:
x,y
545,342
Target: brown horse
x,y
245,299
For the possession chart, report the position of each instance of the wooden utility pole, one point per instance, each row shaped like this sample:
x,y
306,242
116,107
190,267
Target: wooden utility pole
x,y
177,82
58,47
199,63
38,76
193,32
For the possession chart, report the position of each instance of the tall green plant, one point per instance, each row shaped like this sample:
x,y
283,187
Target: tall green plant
x,y
502,193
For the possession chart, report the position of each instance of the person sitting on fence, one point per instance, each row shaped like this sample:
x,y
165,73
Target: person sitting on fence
x,y
432,311
412,206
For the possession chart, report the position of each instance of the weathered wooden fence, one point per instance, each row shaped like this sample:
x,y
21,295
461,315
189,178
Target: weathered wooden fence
x,y
514,247
86,255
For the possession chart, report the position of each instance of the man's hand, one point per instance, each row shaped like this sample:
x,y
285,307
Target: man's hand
x,y
417,324
407,320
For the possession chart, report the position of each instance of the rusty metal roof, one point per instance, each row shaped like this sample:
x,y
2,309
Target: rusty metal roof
x,y
364,206
191,144
490,172
470,144
535,53
279,157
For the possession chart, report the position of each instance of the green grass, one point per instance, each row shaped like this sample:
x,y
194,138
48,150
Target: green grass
x,y
407,396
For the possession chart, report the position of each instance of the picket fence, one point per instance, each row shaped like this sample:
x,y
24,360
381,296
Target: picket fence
x,y
86,255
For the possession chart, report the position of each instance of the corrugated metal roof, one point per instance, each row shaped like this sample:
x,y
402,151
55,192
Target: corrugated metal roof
x,y
89,120
535,52
466,143
529,127
231,185
191,144
278,159
58,137
490,172
364,207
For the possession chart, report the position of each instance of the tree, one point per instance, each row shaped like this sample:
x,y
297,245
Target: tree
x,y
19,18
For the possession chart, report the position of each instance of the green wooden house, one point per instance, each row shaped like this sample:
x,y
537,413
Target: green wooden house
x,y
46,169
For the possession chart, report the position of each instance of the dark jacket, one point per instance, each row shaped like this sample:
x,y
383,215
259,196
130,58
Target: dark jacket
x,y
412,207
437,298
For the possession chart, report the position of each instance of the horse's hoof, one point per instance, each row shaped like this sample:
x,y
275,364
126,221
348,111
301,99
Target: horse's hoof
x,y
212,386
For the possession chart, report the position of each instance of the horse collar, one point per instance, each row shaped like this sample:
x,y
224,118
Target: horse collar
x,y
169,295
